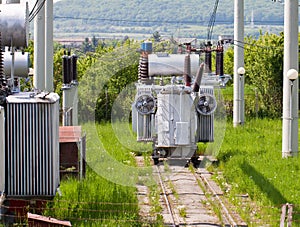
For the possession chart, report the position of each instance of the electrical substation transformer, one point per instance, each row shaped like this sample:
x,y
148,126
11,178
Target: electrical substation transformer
x,y
174,104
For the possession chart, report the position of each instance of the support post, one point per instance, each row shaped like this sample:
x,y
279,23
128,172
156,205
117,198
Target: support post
x,y
39,49
238,96
49,46
290,96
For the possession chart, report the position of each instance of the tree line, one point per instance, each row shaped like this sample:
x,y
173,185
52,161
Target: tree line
x,y
110,66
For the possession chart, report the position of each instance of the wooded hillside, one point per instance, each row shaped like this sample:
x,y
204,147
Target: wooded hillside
x,y
165,16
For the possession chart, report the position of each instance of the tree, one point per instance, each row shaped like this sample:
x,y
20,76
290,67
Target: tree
x,y
264,71
112,70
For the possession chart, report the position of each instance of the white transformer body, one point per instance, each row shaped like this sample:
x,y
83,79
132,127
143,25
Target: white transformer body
x,y
170,117
174,104
174,121
31,145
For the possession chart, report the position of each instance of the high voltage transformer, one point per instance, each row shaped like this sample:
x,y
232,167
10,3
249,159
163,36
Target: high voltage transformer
x,y
175,100
29,121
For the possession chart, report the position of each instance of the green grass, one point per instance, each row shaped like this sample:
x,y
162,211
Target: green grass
x,y
95,202
250,158
102,198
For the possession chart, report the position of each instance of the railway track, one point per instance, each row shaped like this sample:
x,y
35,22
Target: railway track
x,y
189,197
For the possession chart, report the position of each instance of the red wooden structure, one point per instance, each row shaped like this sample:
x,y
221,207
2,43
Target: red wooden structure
x,y
35,220
72,151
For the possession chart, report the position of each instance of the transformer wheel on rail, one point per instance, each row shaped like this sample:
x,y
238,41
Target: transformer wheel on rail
x,y
156,161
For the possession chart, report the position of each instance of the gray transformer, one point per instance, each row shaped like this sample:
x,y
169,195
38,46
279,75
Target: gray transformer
x,y
174,118
168,111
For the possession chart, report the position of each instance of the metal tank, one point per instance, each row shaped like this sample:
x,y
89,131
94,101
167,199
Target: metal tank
x,y
14,24
174,104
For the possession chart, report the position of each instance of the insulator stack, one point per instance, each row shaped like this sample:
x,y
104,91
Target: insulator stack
x,y
187,71
143,69
74,67
220,61
3,82
1,59
208,57
66,68
4,89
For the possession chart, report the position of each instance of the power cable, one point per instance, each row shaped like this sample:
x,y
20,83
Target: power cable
x,y
212,21
36,2
40,6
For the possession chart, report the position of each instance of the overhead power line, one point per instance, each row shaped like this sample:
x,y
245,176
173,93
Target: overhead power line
x,y
36,9
33,9
212,21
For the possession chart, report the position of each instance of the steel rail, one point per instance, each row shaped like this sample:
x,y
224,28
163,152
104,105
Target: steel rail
x,y
168,204
225,212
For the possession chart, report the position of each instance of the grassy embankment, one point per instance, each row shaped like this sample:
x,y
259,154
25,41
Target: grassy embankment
x,y
250,159
96,201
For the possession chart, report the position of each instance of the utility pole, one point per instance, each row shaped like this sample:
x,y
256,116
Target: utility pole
x,y
238,80
49,46
43,46
39,48
290,80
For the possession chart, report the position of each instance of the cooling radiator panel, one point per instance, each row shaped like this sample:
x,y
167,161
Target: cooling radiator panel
x,y
2,149
32,145
205,132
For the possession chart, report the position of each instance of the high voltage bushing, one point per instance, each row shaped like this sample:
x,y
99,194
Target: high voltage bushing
x,y
207,59
1,59
220,60
198,79
69,69
4,89
143,70
187,70
66,70
74,67
14,25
